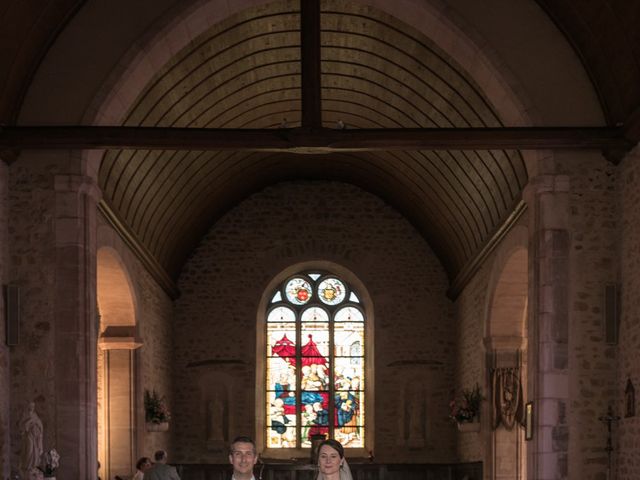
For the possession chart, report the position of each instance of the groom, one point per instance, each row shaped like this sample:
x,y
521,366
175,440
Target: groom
x,y
243,456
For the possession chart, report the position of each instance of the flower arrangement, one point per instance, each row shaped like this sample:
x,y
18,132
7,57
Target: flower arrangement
x,y
155,408
468,408
49,463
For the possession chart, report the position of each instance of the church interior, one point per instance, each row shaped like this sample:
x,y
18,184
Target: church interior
x,y
407,225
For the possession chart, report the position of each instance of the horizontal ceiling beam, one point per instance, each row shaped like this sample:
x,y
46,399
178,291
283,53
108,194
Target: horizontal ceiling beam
x,y
318,140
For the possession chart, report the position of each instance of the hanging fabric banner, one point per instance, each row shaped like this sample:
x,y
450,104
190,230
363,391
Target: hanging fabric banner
x,y
507,401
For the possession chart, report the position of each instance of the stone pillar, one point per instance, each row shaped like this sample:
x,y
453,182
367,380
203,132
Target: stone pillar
x,y
547,197
75,340
4,350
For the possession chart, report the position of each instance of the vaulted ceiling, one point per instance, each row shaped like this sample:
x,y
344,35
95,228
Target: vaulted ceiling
x,y
376,72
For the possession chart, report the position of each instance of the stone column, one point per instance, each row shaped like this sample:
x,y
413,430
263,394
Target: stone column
x,y
547,197
75,340
4,350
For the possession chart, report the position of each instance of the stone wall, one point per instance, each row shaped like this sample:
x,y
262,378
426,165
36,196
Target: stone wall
x,y
628,438
154,321
223,282
593,264
470,353
5,424
32,268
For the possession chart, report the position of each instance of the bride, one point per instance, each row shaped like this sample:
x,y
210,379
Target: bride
x,y
331,462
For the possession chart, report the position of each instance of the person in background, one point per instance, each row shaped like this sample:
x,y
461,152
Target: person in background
x,y
160,470
243,456
142,465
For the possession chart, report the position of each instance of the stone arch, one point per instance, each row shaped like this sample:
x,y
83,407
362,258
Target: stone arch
x,y
115,295
505,347
116,366
367,304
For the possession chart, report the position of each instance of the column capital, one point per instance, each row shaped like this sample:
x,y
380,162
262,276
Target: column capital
x,y
119,338
547,197
546,184
78,183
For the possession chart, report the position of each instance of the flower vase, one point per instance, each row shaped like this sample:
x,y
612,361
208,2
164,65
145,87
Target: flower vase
x,y
157,427
472,426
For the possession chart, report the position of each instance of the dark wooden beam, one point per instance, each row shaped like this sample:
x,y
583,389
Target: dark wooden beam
x,y
632,126
310,63
324,140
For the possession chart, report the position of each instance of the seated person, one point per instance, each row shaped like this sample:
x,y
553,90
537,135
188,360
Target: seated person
x,y
142,465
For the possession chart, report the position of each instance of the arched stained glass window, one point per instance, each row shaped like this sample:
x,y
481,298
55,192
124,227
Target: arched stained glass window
x,y
315,376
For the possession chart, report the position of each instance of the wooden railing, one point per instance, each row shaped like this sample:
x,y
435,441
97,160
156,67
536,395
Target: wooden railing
x,y
360,471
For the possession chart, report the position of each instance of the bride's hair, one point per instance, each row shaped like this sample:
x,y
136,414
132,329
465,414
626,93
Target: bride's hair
x,y
336,445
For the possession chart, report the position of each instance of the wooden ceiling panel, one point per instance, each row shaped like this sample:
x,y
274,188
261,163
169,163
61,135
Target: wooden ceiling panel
x,y
605,35
404,56
376,73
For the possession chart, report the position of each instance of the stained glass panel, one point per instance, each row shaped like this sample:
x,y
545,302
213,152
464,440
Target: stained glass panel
x,y
314,314
325,339
349,373
317,342
281,314
281,373
350,436
349,314
298,291
281,432
331,291
347,418
281,340
349,339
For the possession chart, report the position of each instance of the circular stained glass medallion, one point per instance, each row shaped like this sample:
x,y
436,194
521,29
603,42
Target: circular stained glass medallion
x,y
298,291
331,291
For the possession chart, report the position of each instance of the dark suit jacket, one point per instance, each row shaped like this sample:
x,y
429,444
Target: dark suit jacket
x,y
160,471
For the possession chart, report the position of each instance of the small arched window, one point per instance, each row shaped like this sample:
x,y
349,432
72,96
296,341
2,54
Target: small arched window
x,y
315,378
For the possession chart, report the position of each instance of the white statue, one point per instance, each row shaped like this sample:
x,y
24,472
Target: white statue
x,y
31,440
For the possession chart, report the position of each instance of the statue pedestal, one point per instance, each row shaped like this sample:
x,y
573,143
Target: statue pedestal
x,y
469,427
157,427
33,474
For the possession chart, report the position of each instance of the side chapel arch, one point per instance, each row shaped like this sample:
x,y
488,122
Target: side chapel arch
x,y
116,367
506,360
325,269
